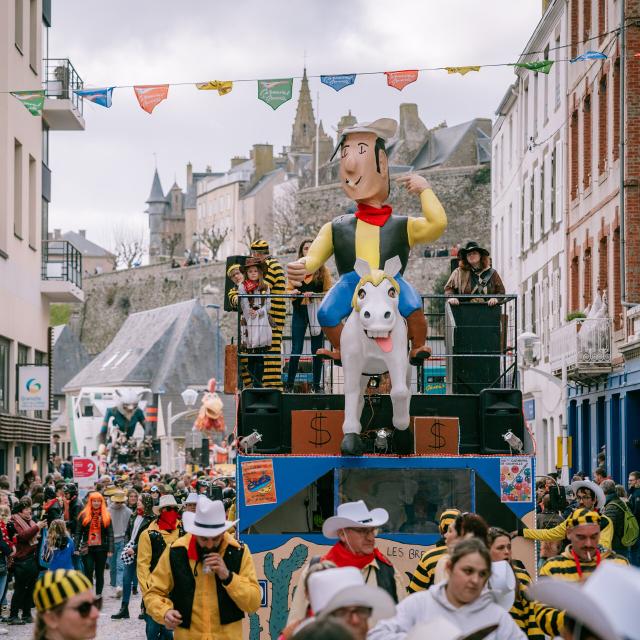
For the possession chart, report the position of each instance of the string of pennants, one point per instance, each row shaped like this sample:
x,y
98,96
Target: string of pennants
x,y
275,92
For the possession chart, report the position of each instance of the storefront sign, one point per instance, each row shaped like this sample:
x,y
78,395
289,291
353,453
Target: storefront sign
x,y
33,387
85,472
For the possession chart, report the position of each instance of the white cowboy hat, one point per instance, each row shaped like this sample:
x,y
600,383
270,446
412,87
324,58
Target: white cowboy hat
x,y
332,589
588,484
192,498
443,629
209,520
606,603
502,584
354,514
165,501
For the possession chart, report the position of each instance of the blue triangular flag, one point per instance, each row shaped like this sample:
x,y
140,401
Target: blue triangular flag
x,y
590,55
338,82
99,96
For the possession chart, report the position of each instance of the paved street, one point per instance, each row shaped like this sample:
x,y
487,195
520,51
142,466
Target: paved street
x,y
107,628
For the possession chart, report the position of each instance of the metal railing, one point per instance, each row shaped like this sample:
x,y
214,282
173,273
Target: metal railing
x,y
61,80
473,347
583,343
61,261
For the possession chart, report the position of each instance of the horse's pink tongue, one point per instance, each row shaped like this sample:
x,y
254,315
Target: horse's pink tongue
x,y
386,344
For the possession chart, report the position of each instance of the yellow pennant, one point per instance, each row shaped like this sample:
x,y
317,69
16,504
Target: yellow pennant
x,y
462,70
221,86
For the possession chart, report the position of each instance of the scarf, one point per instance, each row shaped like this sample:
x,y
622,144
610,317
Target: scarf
x,y
579,566
342,557
373,215
168,520
95,529
251,285
23,525
197,553
11,541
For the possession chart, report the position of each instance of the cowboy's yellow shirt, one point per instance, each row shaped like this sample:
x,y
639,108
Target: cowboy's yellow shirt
x,y
426,229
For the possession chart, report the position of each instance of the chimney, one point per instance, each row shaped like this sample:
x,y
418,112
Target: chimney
x,y
236,160
83,233
411,130
263,159
189,174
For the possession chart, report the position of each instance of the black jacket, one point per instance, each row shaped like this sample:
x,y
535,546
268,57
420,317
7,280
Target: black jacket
x,y
146,521
82,535
634,502
614,510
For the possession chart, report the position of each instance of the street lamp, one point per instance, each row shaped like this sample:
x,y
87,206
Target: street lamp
x,y
528,345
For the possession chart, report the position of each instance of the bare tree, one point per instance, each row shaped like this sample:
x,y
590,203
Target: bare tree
x,y
251,234
212,239
286,224
171,244
129,246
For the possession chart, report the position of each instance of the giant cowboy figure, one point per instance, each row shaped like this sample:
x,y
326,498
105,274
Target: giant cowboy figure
x,y
372,233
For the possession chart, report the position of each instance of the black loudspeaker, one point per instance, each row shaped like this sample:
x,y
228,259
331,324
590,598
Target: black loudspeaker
x,y
261,411
500,411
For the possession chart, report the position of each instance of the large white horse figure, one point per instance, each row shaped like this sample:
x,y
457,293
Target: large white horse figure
x,y
374,341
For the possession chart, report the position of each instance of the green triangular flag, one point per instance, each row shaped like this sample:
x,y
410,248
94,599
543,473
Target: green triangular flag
x,y
543,66
32,100
275,92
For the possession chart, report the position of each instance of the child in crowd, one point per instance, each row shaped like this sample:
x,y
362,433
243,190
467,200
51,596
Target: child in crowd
x,y
58,548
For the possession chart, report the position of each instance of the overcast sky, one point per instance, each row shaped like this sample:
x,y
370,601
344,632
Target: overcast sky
x,y
102,176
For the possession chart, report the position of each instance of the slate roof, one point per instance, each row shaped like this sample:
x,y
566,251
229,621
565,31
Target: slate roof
x,y
69,357
263,182
156,195
165,349
86,247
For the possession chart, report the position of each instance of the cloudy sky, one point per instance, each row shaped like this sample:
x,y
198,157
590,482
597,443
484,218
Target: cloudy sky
x,y
102,176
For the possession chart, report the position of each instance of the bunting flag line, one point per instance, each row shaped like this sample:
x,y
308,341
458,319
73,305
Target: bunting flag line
x,y
99,96
151,95
33,101
542,66
339,82
275,92
400,79
221,86
462,70
589,55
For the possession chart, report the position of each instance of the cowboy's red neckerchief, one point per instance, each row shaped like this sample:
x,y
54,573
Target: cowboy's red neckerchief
x,y
373,215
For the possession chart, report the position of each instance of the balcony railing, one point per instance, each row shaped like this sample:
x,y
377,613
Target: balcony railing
x,y
61,80
62,262
584,345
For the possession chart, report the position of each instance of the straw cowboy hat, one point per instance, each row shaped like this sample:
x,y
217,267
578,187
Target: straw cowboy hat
x,y
354,514
444,629
165,501
332,589
606,603
588,484
209,520
502,584
118,496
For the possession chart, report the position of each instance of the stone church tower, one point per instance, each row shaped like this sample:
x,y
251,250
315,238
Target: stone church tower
x,y
304,130
156,210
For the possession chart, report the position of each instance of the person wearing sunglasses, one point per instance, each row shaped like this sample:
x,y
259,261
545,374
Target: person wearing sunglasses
x,y
67,608
153,541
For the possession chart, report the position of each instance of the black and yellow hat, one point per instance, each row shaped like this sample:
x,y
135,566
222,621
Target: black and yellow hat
x,y
260,245
56,587
446,518
583,516
232,268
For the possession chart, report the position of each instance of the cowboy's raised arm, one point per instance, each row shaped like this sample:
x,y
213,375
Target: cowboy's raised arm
x,y
321,249
434,221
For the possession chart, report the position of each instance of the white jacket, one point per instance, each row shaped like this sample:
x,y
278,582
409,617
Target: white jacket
x,y
425,606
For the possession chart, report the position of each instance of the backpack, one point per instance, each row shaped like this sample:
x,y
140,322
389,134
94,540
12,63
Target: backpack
x,y
631,530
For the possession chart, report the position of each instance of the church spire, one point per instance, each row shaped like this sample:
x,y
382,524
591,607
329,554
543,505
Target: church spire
x,y
304,126
156,194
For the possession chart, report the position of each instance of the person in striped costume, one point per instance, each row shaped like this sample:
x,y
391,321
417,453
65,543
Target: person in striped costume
x,y
522,611
424,574
274,277
576,563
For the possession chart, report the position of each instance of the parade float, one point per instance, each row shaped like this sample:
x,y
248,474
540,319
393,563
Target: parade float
x,y
413,421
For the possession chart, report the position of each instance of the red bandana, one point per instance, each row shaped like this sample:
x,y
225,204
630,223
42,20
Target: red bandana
x,y
342,557
168,520
251,285
372,215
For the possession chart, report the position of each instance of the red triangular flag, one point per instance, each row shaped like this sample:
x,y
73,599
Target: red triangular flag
x,y
151,95
400,79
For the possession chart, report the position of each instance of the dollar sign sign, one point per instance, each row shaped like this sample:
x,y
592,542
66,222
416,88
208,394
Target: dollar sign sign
x,y
319,439
438,438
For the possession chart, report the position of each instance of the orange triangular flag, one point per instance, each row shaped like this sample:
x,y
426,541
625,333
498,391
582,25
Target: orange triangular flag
x,y
151,95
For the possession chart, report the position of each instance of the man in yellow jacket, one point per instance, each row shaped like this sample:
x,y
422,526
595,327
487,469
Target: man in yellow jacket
x,y
205,582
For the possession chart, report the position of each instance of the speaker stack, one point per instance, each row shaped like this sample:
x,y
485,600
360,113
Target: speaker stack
x,y
261,411
500,411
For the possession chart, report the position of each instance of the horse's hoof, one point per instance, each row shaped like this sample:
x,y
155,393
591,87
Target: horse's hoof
x,y
351,445
403,442
419,355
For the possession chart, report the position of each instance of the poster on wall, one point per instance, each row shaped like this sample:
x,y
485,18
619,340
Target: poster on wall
x,y
33,387
258,482
516,481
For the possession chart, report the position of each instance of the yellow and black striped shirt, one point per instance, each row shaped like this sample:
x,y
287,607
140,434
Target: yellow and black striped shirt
x,y
424,574
276,281
523,612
